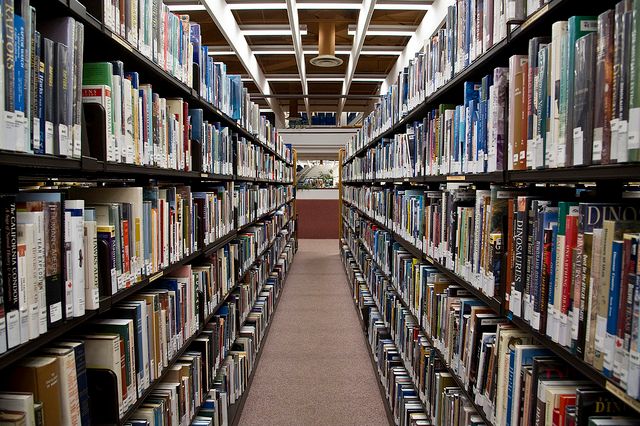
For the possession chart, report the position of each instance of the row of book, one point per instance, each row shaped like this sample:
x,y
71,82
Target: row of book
x,y
116,359
572,103
65,250
48,89
462,342
253,161
453,139
470,28
252,201
398,385
255,239
563,263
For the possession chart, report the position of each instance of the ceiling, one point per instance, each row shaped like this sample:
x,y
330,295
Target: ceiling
x,y
258,40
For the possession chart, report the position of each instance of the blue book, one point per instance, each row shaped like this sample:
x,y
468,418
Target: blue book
x,y
19,71
40,95
197,118
510,386
134,77
614,301
134,312
519,357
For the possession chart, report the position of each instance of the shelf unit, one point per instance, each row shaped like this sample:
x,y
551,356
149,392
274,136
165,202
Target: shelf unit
x,y
468,394
15,354
374,365
576,363
518,34
127,416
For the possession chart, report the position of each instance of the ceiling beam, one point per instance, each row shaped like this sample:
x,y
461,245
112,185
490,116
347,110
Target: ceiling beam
x,y
364,19
292,12
222,16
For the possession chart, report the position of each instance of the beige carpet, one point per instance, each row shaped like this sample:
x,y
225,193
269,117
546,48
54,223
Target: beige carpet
x,y
315,369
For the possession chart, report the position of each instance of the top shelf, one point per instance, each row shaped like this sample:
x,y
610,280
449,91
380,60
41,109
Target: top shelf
x,y
169,85
538,23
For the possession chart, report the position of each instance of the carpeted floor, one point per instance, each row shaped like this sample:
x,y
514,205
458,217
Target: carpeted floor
x,y
315,369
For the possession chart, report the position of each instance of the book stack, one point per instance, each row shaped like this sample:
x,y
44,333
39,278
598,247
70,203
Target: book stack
x,y
253,201
434,327
254,161
42,83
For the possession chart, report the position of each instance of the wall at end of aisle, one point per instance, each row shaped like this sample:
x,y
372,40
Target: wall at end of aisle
x,y
317,213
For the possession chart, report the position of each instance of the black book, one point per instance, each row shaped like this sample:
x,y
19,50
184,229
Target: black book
x,y
544,368
596,402
48,58
583,100
9,237
61,92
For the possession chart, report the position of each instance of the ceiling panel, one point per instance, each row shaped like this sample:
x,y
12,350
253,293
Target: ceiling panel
x,y
324,87
375,64
286,87
386,40
261,16
362,88
268,40
278,64
397,17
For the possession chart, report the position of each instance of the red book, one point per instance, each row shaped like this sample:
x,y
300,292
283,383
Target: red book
x,y
563,402
126,259
571,238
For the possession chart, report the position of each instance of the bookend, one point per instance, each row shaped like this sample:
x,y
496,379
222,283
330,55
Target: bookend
x,y
96,128
103,400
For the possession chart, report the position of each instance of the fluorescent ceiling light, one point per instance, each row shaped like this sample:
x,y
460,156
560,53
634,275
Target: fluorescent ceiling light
x,y
368,79
385,30
185,7
283,79
402,6
270,30
325,79
274,52
220,53
325,5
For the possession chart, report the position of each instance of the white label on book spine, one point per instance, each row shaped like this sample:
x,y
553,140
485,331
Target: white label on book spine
x,y
614,139
36,134
634,128
55,312
48,138
574,319
9,131
63,139
601,333
77,141
633,375
515,304
20,123
13,329
578,158
623,129
598,136
609,351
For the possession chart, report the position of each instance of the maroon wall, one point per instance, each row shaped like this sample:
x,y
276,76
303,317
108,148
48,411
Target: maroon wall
x,y
317,218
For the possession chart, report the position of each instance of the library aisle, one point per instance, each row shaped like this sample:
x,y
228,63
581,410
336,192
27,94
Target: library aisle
x,y
315,368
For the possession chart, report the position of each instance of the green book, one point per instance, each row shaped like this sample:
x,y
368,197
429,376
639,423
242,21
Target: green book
x,y
577,26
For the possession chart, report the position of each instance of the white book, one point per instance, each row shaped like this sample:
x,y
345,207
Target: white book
x,y
91,273
127,104
27,276
74,236
116,93
19,401
25,243
70,407
37,294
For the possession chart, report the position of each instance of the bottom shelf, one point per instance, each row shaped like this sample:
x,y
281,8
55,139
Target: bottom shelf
x,y
235,410
374,366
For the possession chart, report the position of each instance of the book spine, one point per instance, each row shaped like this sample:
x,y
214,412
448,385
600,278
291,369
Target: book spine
x,y
10,272
612,312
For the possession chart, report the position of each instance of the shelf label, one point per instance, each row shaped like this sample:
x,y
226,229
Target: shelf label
x,y
156,276
611,387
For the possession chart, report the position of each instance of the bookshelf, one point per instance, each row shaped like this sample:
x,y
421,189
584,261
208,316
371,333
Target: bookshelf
x,y
379,199
191,266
